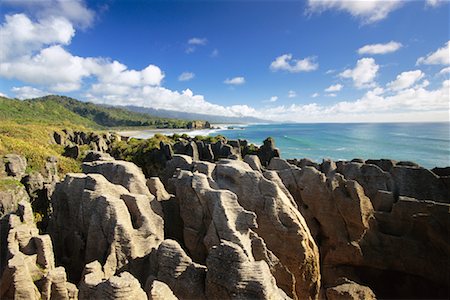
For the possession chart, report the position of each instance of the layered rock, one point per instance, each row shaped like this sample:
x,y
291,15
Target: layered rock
x,y
94,219
30,272
362,243
185,278
232,275
278,220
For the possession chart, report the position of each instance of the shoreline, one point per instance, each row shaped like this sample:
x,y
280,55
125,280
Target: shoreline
x,y
148,133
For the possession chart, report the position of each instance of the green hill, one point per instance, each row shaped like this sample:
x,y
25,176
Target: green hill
x,y
60,110
27,126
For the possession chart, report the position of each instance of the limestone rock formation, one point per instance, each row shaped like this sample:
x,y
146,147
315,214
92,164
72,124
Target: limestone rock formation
x,y
350,290
30,271
94,219
120,172
278,220
232,275
185,278
254,162
15,165
158,290
267,151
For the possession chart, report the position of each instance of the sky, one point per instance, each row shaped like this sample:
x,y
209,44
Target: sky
x,y
285,61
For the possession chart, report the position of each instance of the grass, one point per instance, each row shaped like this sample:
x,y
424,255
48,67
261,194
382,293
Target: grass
x,y
34,142
9,183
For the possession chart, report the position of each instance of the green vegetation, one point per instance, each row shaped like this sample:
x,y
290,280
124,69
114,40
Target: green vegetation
x,y
26,127
9,183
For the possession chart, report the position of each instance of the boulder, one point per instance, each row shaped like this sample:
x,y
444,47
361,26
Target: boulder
x,y
72,151
97,155
350,290
15,165
267,151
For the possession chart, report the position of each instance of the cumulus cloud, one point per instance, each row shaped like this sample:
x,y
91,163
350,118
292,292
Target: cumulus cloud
x,y
315,95
334,88
444,71
285,62
363,75
292,94
380,48
405,80
235,81
273,99
367,11
440,57
27,92
186,76
19,35
75,11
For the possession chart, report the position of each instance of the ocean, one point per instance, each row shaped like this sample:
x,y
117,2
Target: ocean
x,y
427,144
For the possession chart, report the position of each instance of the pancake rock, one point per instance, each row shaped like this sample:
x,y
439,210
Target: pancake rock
x,y
94,219
278,220
30,272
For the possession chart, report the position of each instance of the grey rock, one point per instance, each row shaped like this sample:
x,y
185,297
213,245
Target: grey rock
x,y
15,165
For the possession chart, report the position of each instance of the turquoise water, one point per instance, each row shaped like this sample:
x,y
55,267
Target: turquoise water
x,y
427,144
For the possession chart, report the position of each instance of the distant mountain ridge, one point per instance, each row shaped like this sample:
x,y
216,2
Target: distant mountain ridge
x,y
163,113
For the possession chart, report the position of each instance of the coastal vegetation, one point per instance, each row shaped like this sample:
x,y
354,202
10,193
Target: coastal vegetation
x,y
27,127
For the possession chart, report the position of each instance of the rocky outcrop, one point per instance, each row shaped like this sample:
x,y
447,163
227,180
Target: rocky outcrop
x,y
267,151
350,290
15,165
96,285
11,193
158,290
94,219
361,224
72,139
30,272
185,278
233,275
277,219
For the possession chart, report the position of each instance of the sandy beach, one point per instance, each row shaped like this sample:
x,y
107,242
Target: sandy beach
x,y
148,133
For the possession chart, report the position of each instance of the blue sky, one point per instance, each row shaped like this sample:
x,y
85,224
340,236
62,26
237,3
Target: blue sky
x,y
298,61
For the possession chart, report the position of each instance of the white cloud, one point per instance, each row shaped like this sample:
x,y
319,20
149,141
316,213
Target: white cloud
x,y
334,88
75,11
186,76
368,11
20,36
285,62
380,48
194,42
235,81
197,41
315,95
292,94
3,95
444,71
27,92
440,57
273,99
405,80
363,74
413,104
330,71
435,3
331,95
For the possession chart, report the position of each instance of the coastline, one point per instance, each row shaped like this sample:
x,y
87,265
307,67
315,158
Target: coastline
x,y
148,133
